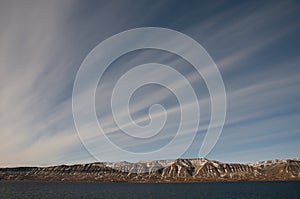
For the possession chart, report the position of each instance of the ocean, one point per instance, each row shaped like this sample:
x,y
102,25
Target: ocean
x,y
21,189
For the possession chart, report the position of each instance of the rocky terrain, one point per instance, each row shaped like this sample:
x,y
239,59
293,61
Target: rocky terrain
x,y
180,170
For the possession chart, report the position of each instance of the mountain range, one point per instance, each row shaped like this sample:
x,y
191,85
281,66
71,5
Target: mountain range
x,y
178,170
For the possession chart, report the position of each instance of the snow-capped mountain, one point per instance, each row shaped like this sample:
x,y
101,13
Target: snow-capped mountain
x,y
189,170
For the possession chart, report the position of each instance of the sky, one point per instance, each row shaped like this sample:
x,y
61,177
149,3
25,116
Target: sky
x,y
254,44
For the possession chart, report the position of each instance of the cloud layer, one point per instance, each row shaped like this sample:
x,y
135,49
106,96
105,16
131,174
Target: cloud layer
x,y
254,44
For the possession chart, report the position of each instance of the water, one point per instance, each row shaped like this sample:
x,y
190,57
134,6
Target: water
x,y
13,189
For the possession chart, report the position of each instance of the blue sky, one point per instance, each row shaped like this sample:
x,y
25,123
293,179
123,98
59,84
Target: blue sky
x,y
255,45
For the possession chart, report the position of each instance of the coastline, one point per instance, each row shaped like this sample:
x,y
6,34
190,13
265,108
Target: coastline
x,y
175,171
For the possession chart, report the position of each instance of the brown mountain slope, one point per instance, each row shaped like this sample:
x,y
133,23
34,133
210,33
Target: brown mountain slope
x,y
190,170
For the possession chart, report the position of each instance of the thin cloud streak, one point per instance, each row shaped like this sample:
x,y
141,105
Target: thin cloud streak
x,y
38,63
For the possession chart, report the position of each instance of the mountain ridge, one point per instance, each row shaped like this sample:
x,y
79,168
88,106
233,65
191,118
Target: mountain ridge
x,y
176,170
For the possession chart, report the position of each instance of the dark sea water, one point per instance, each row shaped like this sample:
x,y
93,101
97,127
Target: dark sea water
x,y
12,189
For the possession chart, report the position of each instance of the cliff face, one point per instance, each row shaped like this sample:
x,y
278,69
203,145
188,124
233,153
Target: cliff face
x,y
160,171
206,170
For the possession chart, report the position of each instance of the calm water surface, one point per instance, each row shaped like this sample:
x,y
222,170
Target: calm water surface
x,y
11,189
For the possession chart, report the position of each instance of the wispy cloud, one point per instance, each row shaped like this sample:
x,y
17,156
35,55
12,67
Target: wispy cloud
x,y
43,43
